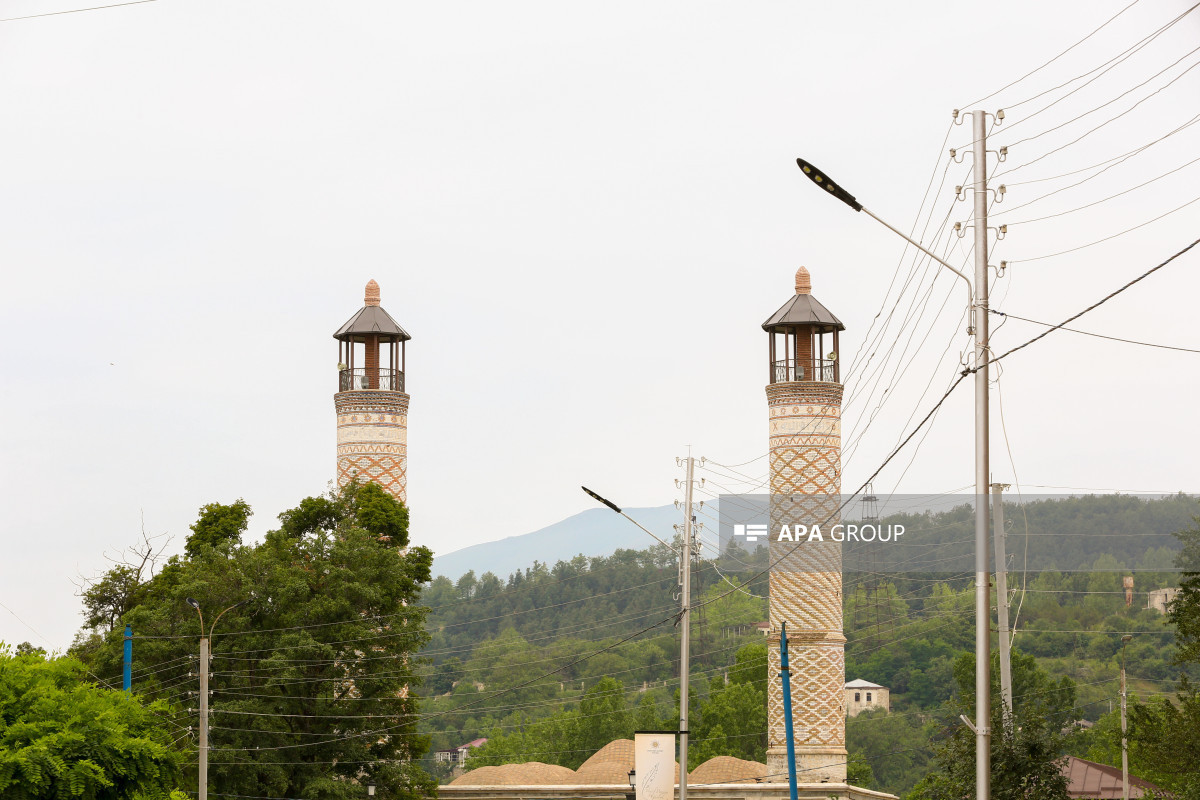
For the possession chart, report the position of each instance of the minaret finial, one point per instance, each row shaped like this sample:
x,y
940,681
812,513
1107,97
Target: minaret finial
x,y
372,298
803,281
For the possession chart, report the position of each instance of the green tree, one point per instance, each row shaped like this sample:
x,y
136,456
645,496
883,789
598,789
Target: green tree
x,y
218,526
315,680
1026,754
733,720
896,746
603,716
1163,735
62,737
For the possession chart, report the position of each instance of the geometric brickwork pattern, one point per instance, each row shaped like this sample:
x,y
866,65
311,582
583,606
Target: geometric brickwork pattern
x,y
372,439
805,584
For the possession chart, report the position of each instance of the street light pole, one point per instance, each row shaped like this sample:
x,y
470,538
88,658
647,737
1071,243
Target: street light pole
x,y
983,634
685,580
205,656
685,622
977,295
1124,737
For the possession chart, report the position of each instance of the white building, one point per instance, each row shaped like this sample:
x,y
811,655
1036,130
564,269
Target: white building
x,y
866,696
457,755
1160,599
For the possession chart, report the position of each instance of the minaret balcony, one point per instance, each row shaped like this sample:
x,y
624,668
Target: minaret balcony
x,y
380,379
805,369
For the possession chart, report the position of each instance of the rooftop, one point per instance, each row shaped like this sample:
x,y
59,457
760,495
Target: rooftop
x,y
371,319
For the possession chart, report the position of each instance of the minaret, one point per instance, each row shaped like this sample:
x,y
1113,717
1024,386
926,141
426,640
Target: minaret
x,y
804,399
372,408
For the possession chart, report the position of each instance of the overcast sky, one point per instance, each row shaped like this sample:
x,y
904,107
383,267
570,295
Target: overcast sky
x,y
582,212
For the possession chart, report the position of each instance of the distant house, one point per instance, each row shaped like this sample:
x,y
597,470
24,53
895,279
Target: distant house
x,y
457,755
1159,599
1091,781
866,696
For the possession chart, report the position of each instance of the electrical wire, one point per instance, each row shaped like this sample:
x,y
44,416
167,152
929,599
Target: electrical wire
x,y
77,10
1056,58
1099,335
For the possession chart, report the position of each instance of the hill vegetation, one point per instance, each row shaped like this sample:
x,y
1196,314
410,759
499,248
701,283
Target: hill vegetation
x,y
550,663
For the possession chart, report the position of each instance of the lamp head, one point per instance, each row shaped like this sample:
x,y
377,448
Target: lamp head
x,y
193,603
821,179
600,499
1126,638
370,790
632,779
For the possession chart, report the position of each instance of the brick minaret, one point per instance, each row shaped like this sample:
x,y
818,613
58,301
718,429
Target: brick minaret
x,y
804,398
372,408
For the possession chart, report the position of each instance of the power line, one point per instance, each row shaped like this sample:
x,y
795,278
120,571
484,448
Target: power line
x,y
1103,200
78,10
1119,59
1056,58
1098,335
1097,304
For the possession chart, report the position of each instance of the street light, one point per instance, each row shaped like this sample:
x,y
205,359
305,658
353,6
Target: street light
x,y
204,658
685,566
370,790
632,785
977,325
1124,739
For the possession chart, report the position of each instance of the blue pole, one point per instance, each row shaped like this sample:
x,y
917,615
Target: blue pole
x,y
786,675
128,678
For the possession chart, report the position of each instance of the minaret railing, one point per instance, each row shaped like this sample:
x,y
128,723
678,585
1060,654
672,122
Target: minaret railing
x,y
361,379
804,369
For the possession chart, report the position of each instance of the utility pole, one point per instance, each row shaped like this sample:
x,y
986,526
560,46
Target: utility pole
x,y
685,620
1002,602
977,291
983,615
1124,737
204,656
685,584
127,661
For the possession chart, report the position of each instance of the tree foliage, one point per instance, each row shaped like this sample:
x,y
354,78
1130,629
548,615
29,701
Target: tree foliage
x,y
314,680
1165,735
62,737
1026,742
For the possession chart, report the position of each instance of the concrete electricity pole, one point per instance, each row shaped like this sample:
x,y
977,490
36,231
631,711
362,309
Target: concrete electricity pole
x,y
978,327
983,614
1124,738
685,611
205,657
1004,636
685,621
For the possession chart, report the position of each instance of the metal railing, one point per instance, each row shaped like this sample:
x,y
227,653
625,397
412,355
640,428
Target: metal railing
x,y
804,369
360,378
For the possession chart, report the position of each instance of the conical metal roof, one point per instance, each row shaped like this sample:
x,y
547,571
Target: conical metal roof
x,y
803,309
371,319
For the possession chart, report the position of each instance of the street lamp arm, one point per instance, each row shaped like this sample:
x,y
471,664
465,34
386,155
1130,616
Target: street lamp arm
x,y
617,509
213,627
923,249
832,187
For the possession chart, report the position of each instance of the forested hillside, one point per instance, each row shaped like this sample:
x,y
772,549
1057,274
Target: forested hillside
x,y
553,662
